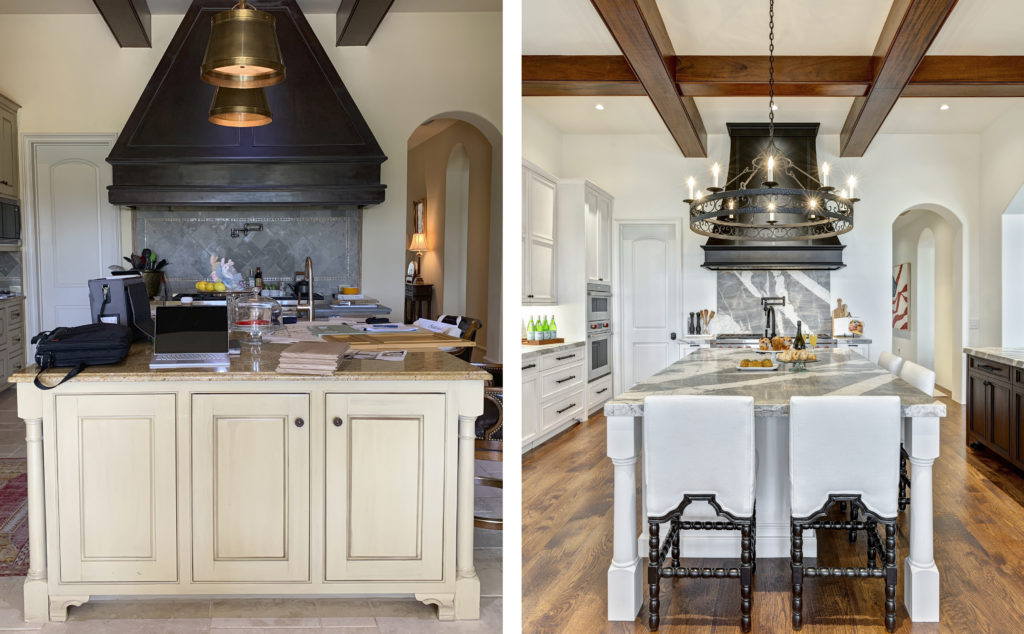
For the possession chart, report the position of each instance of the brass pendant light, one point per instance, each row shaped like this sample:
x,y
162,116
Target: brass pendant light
x,y
243,51
240,108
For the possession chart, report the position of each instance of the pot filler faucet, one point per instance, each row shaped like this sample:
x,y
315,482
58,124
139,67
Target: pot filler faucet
x,y
769,304
309,278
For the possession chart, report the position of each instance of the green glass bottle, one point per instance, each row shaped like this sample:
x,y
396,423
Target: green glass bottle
x,y
531,330
544,329
554,328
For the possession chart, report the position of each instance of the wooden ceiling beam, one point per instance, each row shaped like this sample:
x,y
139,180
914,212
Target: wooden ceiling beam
x,y
640,33
357,20
130,21
942,76
909,30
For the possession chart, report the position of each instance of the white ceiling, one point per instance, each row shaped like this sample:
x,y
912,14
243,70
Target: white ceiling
x,y
739,27
178,7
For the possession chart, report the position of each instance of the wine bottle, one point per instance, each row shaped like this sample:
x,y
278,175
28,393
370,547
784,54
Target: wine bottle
x,y
258,280
544,329
554,328
798,342
531,330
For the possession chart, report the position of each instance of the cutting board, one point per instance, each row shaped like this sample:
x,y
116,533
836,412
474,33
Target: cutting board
x,y
416,341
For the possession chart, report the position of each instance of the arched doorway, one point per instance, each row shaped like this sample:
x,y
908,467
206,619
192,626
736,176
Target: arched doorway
x,y
930,239
454,165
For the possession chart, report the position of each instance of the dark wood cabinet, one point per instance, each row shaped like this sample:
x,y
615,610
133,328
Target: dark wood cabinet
x,y
995,408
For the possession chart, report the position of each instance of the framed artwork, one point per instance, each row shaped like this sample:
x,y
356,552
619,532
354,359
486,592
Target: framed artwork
x,y
419,215
901,296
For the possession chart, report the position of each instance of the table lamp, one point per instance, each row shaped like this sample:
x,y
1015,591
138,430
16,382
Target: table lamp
x,y
419,245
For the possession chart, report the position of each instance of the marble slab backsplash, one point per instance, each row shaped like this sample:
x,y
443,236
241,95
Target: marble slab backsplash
x,y
187,239
807,293
10,269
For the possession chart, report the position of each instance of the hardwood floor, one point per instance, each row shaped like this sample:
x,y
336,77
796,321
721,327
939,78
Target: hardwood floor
x,y
567,546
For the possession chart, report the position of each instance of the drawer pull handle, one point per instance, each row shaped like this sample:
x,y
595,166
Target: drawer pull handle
x,y
530,296
4,182
527,367
988,368
566,408
602,390
17,339
568,378
299,422
568,356
337,421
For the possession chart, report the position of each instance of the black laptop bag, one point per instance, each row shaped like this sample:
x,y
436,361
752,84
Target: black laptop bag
x,y
80,346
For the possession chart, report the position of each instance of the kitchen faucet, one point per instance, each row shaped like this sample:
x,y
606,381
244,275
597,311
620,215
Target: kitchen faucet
x,y
769,304
298,296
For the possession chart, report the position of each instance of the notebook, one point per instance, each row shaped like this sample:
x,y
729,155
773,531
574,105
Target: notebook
x,y
191,336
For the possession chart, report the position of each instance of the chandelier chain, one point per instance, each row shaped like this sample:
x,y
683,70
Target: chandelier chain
x,y
771,76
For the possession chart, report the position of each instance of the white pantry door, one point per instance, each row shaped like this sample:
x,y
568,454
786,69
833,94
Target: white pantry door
x,y
649,299
77,232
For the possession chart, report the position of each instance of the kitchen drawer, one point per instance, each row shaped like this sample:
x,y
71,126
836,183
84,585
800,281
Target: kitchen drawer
x,y
990,369
563,409
562,357
598,392
561,379
531,366
16,337
16,362
16,314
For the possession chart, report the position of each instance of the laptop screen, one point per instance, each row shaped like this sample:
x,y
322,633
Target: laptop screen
x,y
191,329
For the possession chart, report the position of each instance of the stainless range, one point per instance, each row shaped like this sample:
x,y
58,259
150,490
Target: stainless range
x,y
752,341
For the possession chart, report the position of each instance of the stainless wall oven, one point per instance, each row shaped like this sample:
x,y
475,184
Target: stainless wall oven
x,y
599,302
599,357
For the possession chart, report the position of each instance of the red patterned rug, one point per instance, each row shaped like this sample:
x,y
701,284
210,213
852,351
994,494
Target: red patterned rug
x,y
13,518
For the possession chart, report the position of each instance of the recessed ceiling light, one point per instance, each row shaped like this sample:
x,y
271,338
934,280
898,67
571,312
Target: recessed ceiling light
x,y
775,106
599,107
944,106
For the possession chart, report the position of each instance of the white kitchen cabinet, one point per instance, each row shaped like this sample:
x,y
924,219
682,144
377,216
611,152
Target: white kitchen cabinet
x,y
598,209
531,398
9,172
689,346
599,391
539,248
384,504
117,487
859,346
250,487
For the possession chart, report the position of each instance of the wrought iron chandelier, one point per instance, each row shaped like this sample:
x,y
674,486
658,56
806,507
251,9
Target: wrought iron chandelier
x,y
770,213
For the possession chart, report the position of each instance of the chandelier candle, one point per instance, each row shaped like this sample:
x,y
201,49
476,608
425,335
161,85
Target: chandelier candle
x,y
824,174
714,172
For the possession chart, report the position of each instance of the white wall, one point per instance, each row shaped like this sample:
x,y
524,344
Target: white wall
x,y
1013,281
69,76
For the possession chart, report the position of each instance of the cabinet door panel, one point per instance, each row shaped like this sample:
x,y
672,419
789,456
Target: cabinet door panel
x,y
250,487
116,476
999,417
1018,426
8,154
385,487
977,415
542,270
542,208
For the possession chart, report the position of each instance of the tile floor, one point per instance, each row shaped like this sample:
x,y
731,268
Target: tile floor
x,y
265,616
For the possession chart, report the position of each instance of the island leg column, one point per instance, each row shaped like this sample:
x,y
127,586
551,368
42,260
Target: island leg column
x,y
920,574
467,584
625,575
36,596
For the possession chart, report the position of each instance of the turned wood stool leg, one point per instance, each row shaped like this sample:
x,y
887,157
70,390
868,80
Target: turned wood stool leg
x,y
797,569
653,575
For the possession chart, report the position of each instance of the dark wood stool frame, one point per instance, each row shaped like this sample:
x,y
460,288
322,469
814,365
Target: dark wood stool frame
x,y
904,479
659,553
869,524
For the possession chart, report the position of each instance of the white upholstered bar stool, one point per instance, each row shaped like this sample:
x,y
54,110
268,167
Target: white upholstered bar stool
x,y
923,379
889,361
844,449
699,449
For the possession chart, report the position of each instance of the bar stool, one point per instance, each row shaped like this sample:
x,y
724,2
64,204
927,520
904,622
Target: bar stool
x,y
844,448
699,449
889,361
923,379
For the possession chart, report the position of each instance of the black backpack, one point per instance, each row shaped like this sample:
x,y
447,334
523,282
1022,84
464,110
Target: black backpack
x,y
80,346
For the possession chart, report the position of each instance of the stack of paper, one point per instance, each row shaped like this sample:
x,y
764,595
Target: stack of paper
x,y
311,358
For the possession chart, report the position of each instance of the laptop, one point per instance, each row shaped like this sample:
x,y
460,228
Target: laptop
x,y
191,337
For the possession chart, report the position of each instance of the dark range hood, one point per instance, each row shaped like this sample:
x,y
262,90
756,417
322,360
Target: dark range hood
x,y
318,151
797,142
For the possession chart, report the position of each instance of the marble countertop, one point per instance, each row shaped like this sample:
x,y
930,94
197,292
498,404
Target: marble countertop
x,y
713,371
535,352
260,363
864,340
12,300
1010,356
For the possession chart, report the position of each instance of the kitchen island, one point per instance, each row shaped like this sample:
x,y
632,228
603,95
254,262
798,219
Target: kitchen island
x,y
714,372
243,481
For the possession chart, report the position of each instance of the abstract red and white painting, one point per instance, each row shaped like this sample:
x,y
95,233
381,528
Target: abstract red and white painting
x,y
901,297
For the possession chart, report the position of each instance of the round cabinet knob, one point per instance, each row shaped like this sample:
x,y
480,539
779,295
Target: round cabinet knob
x,y
299,422
337,421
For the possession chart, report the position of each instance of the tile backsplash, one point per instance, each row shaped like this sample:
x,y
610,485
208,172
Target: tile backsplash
x,y
187,239
807,293
10,269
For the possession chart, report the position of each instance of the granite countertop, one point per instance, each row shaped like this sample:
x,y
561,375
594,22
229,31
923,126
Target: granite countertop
x,y
1010,356
260,364
12,300
713,371
535,352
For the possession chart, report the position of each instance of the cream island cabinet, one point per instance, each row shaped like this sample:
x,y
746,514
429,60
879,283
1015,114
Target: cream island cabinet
x,y
249,482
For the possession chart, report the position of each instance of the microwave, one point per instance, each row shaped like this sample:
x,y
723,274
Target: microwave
x,y
599,302
10,222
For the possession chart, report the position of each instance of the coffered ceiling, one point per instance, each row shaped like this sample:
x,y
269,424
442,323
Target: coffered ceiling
x,y
804,28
